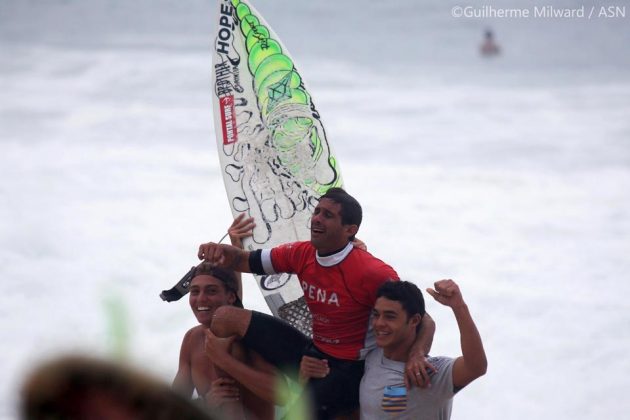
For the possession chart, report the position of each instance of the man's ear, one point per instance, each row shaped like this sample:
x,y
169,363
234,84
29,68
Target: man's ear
x,y
351,230
232,298
415,320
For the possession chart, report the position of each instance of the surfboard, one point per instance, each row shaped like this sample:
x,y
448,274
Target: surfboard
x,y
274,154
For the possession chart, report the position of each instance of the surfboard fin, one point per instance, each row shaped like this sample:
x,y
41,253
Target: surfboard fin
x,y
180,289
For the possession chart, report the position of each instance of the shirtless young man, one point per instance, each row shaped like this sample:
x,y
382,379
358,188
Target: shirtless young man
x,y
339,283
231,380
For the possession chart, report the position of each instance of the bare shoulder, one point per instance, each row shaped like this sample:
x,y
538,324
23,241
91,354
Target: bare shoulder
x,y
193,334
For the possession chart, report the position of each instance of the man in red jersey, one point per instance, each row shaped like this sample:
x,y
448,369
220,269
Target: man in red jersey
x,y
340,284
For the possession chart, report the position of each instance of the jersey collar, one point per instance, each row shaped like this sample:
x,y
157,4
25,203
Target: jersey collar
x,y
336,258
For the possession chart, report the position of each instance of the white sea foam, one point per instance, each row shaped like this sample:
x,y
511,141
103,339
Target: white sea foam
x,y
509,176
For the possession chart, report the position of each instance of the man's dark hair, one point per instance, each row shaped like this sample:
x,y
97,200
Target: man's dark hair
x,y
351,212
405,292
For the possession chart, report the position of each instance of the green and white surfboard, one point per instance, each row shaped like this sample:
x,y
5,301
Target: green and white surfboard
x,y
275,157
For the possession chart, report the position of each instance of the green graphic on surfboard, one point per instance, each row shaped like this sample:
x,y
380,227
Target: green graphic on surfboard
x,y
275,158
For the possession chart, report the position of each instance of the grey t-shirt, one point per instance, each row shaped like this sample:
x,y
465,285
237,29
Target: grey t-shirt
x,y
384,396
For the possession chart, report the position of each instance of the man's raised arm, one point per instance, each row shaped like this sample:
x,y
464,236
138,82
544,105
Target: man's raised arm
x,y
225,256
473,362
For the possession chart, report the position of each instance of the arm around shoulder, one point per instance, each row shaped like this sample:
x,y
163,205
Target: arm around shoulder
x,y
255,374
424,341
417,366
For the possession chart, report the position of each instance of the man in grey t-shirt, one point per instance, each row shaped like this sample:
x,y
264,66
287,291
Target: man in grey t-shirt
x,y
397,313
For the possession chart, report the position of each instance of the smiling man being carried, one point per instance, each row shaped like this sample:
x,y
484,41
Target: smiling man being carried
x,y
340,284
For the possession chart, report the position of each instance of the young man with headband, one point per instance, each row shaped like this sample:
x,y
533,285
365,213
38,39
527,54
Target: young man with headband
x,y
232,380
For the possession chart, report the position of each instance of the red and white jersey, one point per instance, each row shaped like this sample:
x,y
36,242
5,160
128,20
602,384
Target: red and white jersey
x,y
340,291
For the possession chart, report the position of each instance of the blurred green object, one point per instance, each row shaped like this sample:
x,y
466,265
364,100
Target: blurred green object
x,y
117,317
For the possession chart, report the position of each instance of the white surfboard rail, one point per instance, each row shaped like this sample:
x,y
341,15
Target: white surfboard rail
x,y
274,155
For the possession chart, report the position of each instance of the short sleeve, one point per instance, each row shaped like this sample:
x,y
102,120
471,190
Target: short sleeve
x,y
442,380
285,258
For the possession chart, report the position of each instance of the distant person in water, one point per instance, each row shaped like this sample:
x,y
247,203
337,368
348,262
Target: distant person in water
x,y
230,379
489,48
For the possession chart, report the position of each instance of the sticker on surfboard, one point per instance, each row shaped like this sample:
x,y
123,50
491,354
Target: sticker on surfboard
x,y
274,155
